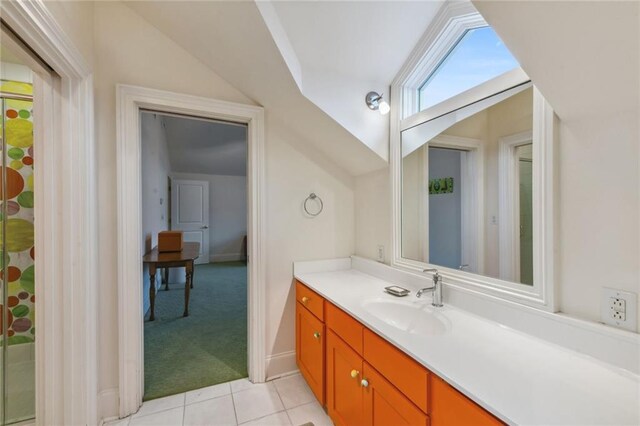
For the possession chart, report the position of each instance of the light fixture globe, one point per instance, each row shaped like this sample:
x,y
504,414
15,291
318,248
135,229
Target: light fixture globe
x,y
375,103
373,100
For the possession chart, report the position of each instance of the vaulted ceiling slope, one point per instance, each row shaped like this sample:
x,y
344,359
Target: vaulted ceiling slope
x,y
339,51
583,56
233,40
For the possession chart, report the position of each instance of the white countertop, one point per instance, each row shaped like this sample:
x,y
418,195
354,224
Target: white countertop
x,y
519,378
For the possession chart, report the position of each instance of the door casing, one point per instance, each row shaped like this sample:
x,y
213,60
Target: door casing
x,y
130,100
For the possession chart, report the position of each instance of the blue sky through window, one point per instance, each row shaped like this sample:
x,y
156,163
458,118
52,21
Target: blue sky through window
x,y
478,57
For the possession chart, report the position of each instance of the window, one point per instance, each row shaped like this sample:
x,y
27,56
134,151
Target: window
x,y
478,56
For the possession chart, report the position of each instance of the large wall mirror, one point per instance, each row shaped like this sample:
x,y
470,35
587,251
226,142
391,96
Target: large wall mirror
x,y
471,193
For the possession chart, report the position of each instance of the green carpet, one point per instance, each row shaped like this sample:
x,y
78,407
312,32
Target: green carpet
x,y
207,347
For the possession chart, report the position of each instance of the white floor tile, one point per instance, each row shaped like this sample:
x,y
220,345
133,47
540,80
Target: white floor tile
x,y
207,393
171,417
293,391
257,401
160,404
217,411
309,413
240,385
277,419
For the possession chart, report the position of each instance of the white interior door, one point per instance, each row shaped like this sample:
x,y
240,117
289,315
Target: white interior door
x,y
190,213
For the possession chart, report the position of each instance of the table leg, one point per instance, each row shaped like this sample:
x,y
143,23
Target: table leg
x,y
193,273
187,287
152,290
166,279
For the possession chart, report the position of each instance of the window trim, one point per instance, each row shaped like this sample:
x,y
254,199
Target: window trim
x,y
454,19
446,30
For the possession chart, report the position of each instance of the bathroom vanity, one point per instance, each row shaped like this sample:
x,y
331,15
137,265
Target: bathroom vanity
x,y
364,380
373,358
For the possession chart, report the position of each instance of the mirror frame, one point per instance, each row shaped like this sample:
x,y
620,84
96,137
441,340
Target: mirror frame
x,y
542,294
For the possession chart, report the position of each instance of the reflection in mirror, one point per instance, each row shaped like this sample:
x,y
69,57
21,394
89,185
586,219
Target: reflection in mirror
x,y
467,188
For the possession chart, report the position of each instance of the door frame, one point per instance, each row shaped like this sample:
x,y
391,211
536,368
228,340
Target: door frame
x,y
129,101
509,204
66,345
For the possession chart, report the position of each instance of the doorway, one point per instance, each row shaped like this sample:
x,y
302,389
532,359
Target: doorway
x,y
133,100
194,182
454,200
19,69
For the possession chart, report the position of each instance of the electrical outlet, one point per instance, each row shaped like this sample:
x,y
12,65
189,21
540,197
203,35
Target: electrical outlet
x,y
619,308
618,316
618,304
380,254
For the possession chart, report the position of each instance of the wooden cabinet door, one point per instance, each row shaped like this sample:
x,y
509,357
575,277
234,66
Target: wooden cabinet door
x,y
310,350
451,408
344,390
385,405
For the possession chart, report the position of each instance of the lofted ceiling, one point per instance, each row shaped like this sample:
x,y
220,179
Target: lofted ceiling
x,y
367,40
583,56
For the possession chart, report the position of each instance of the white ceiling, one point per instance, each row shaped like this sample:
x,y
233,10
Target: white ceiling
x,y
368,40
205,146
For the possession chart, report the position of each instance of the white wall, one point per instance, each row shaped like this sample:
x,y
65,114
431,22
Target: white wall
x,y
130,51
155,189
373,214
227,214
599,210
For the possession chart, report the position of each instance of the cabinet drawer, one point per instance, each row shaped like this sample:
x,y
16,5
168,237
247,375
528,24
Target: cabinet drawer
x,y
345,326
406,374
310,350
310,300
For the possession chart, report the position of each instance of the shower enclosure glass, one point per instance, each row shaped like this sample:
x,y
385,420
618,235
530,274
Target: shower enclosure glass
x,y
17,254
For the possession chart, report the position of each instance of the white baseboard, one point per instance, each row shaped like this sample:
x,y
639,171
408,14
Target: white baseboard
x,y
282,364
227,257
108,405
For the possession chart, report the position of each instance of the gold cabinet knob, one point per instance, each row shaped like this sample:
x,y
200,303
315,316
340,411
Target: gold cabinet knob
x,y
364,383
316,335
354,373
305,299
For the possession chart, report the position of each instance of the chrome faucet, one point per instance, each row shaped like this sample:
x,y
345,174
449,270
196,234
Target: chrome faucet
x,y
436,288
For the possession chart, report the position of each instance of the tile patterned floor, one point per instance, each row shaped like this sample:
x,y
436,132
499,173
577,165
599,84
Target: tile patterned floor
x,y
286,401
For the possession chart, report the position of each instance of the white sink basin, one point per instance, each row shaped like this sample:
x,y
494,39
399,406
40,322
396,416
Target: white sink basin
x,y
413,316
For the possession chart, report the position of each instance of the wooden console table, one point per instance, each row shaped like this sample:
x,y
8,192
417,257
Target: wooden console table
x,y
184,258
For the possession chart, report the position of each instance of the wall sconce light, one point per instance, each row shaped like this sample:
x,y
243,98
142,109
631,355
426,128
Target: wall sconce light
x,y
376,103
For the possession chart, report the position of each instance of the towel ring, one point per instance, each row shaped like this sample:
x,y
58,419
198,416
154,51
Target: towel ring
x,y
313,196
